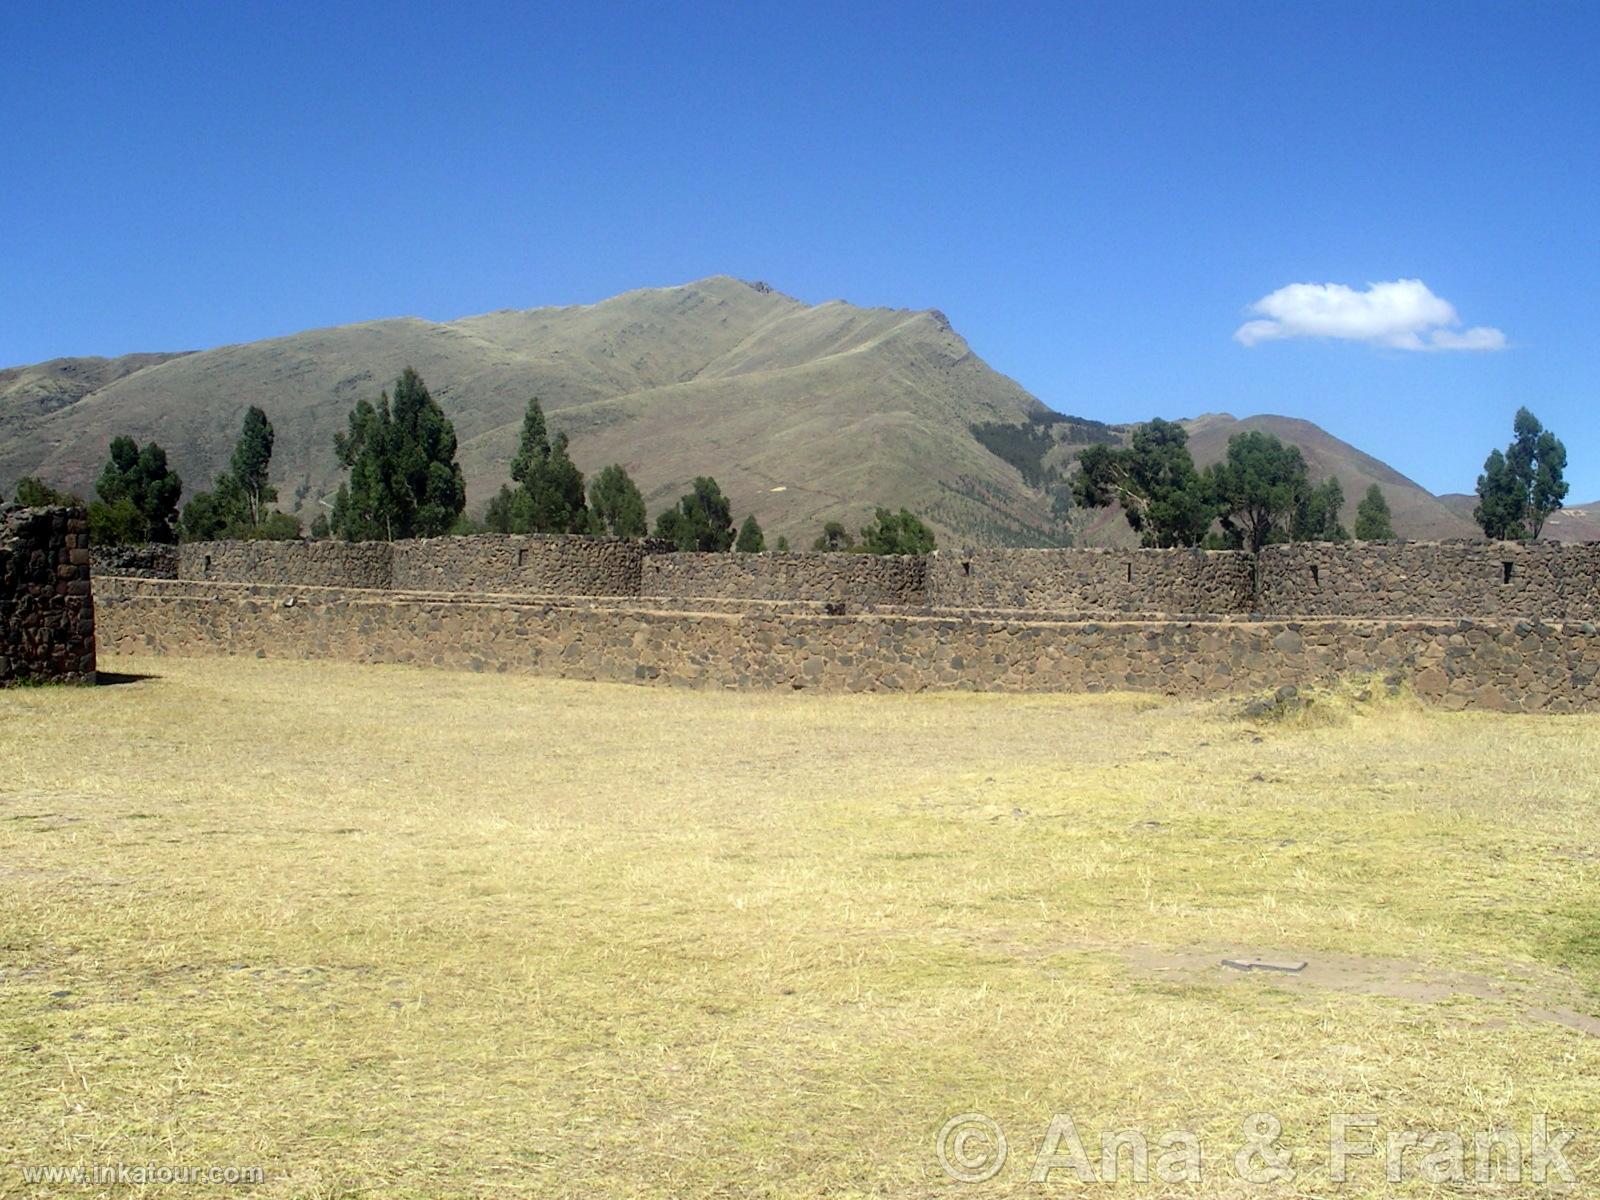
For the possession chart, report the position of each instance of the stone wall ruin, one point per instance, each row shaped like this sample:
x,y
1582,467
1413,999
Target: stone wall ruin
x,y
1472,624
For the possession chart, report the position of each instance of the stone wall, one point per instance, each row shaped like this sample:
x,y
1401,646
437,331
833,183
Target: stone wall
x,y
486,563
46,608
1186,622
1501,665
1544,580
321,564
1190,582
151,561
868,579
575,566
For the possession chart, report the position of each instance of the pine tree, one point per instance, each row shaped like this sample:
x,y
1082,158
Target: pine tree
x,y
750,540
138,496
616,504
533,446
236,507
556,489
404,479
427,461
371,505
896,533
1373,523
548,496
702,519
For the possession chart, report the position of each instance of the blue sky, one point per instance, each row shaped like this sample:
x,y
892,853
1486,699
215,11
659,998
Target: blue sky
x,y
1094,194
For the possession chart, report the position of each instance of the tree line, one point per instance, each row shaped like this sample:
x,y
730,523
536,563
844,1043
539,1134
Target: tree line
x,y
403,481
137,492
1261,492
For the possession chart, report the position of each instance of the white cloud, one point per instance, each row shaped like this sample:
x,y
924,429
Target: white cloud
x,y
1401,315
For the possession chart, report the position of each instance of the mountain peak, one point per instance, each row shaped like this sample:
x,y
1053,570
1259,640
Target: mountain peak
x,y
843,408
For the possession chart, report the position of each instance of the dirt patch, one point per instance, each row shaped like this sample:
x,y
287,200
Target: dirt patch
x,y
1536,997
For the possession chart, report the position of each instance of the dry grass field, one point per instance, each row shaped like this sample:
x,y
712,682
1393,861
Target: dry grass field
x,y
399,933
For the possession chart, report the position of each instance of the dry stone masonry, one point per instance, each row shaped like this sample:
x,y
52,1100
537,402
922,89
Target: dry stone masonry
x,y
323,564
1481,625
862,579
152,561
1481,579
1519,666
46,609
1192,582
572,566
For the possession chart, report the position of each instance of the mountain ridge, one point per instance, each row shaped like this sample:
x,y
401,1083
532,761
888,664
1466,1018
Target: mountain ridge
x,y
804,413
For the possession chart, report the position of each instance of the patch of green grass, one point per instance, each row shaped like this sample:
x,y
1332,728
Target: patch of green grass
x,y
1575,944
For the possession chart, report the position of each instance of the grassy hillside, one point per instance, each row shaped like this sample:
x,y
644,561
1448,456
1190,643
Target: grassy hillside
x,y
32,399
45,387
803,413
1417,512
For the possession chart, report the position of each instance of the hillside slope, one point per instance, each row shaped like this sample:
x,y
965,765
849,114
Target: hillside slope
x,y
804,414
1416,512
1575,523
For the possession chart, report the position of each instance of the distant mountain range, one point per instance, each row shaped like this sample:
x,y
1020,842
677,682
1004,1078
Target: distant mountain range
x,y
803,413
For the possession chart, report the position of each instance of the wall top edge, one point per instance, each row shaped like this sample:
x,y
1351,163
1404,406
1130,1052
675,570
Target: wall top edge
x,y
950,552
132,588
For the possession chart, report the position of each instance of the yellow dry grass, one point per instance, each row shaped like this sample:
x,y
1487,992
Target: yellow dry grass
x,y
391,932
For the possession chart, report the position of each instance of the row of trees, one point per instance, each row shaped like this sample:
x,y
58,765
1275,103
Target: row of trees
x,y
1261,492
136,495
404,482
889,533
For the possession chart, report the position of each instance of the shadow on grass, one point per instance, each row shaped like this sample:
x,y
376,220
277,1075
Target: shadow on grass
x,y
113,678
